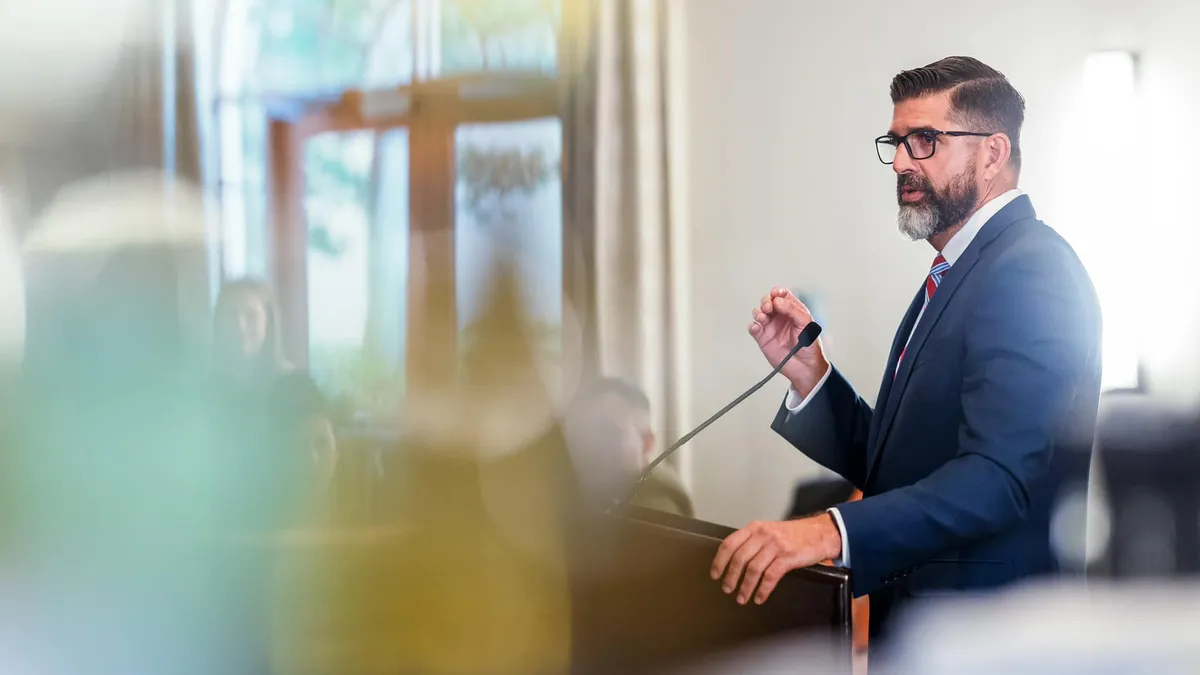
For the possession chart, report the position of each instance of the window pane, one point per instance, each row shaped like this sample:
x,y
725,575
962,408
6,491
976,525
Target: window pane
x,y
508,201
357,266
237,48
390,54
499,35
336,172
256,235
233,231
388,310
229,125
254,143
321,45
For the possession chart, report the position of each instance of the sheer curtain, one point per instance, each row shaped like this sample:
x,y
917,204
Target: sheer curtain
x,y
117,96
149,103
147,120
625,244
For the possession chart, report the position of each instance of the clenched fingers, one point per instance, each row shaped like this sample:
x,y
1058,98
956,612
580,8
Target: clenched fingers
x,y
767,304
793,310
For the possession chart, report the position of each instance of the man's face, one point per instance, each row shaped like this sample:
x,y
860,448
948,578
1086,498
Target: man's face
x,y
941,191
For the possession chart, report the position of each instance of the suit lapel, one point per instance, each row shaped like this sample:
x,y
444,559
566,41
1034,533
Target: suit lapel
x,y
892,389
885,385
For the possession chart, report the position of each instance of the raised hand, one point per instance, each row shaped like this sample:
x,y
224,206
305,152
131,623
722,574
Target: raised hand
x,y
778,320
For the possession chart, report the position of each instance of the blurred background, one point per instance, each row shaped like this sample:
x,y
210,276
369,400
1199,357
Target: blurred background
x,y
361,180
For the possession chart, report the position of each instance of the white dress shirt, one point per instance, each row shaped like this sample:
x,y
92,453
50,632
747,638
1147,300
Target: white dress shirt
x,y
952,251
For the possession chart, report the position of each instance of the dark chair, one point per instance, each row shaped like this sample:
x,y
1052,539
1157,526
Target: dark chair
x,y
1148,459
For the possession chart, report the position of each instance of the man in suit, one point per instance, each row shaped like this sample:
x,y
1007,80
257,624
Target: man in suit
x,y
991,387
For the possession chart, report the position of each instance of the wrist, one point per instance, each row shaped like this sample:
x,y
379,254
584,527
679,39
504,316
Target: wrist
x,y
831,537
804,383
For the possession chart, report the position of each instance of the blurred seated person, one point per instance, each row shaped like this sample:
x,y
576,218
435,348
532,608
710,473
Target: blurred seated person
x,y
273,418
611,442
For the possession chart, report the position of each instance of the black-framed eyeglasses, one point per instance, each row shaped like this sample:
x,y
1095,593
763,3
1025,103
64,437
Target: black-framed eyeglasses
x,y
920,143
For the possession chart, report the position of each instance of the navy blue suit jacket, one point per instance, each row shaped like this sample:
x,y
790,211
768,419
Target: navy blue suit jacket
x,y
991,412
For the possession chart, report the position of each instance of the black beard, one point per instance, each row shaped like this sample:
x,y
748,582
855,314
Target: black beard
x,y
949,207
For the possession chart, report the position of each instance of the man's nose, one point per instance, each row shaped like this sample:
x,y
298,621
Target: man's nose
x,y
903,163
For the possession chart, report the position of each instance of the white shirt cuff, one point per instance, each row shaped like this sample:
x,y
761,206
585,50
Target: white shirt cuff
x,y
843,561
794,403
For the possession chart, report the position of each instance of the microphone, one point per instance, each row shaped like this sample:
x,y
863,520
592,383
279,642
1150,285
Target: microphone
x,y
807,336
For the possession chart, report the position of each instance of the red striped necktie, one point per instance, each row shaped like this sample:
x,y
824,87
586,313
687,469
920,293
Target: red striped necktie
x,y
939,268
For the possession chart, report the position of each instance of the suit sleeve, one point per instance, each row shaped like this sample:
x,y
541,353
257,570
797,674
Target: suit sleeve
x,y
831,429
1031,342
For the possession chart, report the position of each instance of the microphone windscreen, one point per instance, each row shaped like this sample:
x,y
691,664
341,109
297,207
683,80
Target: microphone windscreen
x,y
810,334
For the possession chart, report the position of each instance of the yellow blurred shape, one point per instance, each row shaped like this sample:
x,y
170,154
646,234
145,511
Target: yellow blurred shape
x,y
474,577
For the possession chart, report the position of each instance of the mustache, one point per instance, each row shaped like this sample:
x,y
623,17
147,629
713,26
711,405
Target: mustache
x,y
913,181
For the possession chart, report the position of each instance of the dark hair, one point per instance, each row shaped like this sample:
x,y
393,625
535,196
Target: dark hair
x,y
627,391
981,98
272,350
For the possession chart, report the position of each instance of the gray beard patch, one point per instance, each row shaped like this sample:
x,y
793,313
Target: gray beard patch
x,y
918,221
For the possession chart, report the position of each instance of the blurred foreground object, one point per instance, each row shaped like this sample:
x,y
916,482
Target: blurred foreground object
x,y
472,576
1145,522
1061,630
12,292
55,57
786,654
110,473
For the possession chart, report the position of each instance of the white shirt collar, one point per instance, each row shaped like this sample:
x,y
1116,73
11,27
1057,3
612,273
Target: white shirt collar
x,y
954,248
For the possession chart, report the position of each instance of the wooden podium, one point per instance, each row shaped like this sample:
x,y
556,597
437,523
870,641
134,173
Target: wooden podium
x,y
643,599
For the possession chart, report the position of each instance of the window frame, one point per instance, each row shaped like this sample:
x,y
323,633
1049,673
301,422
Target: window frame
x,y
437,105
431,112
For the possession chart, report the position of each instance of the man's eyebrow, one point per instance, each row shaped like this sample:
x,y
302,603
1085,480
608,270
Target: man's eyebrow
x,y
897,134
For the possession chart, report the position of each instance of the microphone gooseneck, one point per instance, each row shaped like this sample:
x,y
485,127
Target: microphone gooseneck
x,y
807,336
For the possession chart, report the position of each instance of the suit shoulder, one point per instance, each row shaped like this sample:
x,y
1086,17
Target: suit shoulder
x,y
1032,244
1033,235
1031,249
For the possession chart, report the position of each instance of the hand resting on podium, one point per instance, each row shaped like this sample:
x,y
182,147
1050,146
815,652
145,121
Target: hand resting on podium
x,y
766,551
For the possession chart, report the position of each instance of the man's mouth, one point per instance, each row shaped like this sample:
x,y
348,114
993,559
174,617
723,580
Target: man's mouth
x,y
911,194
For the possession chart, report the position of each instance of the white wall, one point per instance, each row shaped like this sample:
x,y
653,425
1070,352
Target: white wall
x,y
1169,236
783,100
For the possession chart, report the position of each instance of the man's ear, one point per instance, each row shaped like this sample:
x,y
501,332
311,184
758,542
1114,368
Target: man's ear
x,y
999,150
